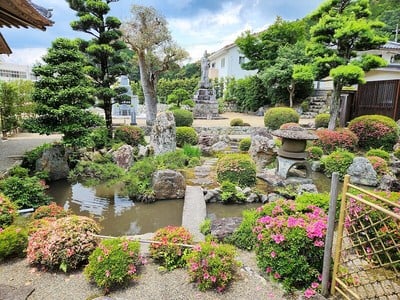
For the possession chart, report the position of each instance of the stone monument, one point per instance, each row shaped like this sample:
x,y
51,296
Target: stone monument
x,y
206,105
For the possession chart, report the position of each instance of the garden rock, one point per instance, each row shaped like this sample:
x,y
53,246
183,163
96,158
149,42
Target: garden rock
x,y
144,151
389,183
212,196
54,161
362,172
219,147
252,198
307,188
222,228
316,166
247,191
206,140
262,149
264,199
124,156
272,197
163,133
168,184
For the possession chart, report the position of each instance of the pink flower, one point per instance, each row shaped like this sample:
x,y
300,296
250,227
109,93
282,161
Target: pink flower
x,y
99,258
206,275
197,247
259,236
268,270
314,285
277,275
108,273
213,279
319,277
273,254
319,243
309,293
278,238
131,269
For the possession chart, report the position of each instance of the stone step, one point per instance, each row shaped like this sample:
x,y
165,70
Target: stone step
x,y
194,211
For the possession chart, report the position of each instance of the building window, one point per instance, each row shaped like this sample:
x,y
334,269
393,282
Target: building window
x,y
213,65
241,60
223,63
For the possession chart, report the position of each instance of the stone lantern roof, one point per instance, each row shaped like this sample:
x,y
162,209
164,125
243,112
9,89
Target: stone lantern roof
x,y
295,132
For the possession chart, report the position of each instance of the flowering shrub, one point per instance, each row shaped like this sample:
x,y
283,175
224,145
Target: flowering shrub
x,y
131,135
114,262
13,242
65,243
291,244
52,211
276,116
320,200
338,161
212,265
167,251
378,152
379,164
375,131
237,168
330,140
8,211
314,153
243,237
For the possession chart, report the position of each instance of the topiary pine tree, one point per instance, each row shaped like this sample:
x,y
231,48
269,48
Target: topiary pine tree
x,y
105,51
343,28
63,93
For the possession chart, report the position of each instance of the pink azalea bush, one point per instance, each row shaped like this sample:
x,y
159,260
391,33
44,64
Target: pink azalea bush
x,y
291,244
65,243
166,249
211,265
379,164
113,263
330,140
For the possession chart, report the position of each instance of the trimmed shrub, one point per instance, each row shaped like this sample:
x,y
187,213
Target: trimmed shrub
x,y
212,265
51,211
305,105
93,172
8,211
314,153
375,131
236,122
13,242
378,152
304,201
330,140
166,250
276,116
183,117
131,135
338,161
65,243
99,138
186,135
18,171
321,120
114,262
236,168
244,144
379,164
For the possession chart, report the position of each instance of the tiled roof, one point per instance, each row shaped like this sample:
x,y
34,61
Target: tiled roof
x,y
391,45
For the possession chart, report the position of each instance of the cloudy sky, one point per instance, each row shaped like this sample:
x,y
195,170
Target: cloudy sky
x,y
197,25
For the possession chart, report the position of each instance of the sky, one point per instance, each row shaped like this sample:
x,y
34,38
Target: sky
x,y
196,25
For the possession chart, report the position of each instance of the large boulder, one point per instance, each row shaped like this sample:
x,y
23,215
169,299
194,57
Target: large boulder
x,y
168,184
223,228
206,141
163,133
362,172
124,156
262,149
54,161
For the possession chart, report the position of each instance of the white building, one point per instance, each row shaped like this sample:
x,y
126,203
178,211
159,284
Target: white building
x,y
226,62
9,72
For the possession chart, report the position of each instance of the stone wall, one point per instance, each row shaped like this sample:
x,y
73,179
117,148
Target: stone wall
x,y
221,130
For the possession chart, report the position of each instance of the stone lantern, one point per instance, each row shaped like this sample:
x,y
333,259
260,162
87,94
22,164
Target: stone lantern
x,y
292,153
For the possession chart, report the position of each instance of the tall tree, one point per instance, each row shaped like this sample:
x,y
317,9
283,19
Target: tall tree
x,y
63,93
8,107
105,50
147,34
343,29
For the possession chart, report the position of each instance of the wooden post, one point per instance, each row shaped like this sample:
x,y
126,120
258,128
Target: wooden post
x,y
329,235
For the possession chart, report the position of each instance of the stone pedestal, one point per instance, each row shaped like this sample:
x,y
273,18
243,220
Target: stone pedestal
x,y
285,164
206,105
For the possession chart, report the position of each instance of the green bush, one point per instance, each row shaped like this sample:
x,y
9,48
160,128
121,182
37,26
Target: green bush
x,y
244,144
276,116
99,138
13,242
183,117
322,120
378,152
165,249
230,194
330,140
236,122
314,152
186,135
52,211
212,265
65,243
338,161
92,173
205,226
236,168
320,200
379,164
18,171
131,135
243,236
375,131
30,157
8,211
189,102
113,263
305,105
28,192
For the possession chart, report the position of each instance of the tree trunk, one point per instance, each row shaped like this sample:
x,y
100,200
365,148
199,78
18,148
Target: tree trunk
x,y
335,105
148,81
291,88
108,116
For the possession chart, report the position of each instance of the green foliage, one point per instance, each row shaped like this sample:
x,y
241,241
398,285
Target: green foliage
x,y
113,263
131,135
18,171
378,152
28,192
183,117
396,153
51,211
186,135
30,157
322,120
330,140
314,153
236,122
99,138
244,144
338,161
236,168
65,243
191,151
167,248
243,236
276,116
95,172
305,105
320,200
178,96
13,242
379,164
212,265
8,211
138,179
375,131
166,86
205,226
189,102
230,194
8,111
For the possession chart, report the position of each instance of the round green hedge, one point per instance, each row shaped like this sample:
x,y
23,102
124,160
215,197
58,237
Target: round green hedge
x,y
276,116
375,131
131,135
321,120
183,117
186,135
244,144
338,161
236,122
237,168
